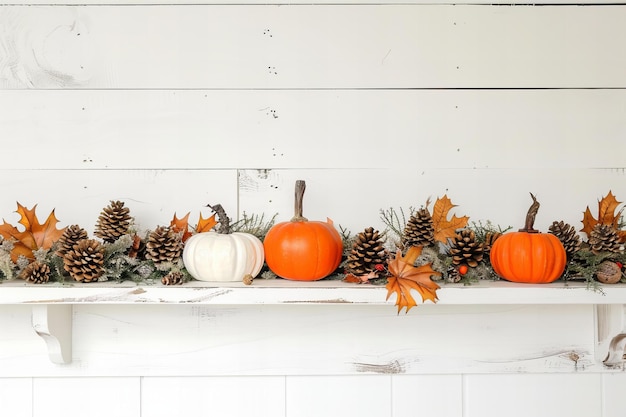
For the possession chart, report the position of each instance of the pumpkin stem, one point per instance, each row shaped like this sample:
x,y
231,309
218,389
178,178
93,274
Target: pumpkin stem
x,y
300,187
222,218
530,217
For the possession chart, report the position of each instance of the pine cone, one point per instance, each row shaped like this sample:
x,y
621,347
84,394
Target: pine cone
x,y
85,261
113,222
163,245
465,249
173,278
604,238
490,238
36,272
367,251
419,230
69,238
568,236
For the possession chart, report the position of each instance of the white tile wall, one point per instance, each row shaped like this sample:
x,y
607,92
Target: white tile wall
x,y
86,397
427,395
16,397
316,396
614,395
213,396
533,395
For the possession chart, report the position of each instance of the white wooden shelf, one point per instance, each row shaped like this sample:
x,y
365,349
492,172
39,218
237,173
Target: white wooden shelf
x,y
53,303
281,291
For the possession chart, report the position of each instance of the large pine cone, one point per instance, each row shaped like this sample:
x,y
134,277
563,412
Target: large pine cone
x,y
568,236
604,238
164,245
85,261
367,252
465,249
419,230
113,222
69,238
36,272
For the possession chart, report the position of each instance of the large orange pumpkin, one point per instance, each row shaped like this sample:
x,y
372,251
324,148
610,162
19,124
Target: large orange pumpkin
x,y
300,249
528,255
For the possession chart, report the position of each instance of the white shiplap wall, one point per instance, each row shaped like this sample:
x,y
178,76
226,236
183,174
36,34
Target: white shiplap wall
x,y
170,107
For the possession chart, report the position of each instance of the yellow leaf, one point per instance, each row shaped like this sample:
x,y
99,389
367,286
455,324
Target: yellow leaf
x,y
444,228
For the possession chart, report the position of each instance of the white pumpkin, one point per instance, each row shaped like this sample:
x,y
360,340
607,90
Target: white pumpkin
x,y
212,256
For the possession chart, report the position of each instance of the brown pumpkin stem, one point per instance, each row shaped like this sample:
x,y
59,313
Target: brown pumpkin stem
x,y
530,217
298,217
222,218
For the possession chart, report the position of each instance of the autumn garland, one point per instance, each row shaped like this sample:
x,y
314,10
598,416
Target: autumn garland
x,y
413,253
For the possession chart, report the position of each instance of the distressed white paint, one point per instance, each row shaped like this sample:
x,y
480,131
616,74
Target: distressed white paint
x,y
316,339
148,104
327,291
314,46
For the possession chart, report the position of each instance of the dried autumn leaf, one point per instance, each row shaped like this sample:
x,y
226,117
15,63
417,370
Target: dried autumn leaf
x,y
181,225
34,236
204,225
445,229
607,215
405,277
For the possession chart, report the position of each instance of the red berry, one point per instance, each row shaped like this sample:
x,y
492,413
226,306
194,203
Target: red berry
x,y
379,267
463,269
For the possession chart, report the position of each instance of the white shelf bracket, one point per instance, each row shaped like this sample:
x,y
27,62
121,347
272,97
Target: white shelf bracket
x,y
610,334
53,322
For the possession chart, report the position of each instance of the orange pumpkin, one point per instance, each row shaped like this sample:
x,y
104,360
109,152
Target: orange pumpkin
x,y
300,249
528,255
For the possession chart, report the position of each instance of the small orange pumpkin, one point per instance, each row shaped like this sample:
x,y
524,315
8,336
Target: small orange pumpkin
x,y
300,249
528,256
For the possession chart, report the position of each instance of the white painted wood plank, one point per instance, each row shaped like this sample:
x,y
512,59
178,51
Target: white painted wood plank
x,y
532,395
274,340
613,400
428,395
16,397
291,2
95,397
366,129
313,46
216,396
312,396
285,292
353,199
153,196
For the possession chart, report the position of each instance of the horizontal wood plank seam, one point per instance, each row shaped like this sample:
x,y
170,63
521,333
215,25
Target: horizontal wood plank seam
x,y
525,4
316,88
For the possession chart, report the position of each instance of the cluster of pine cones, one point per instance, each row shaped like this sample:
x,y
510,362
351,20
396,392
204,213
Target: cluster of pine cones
x,y
84,258
368,251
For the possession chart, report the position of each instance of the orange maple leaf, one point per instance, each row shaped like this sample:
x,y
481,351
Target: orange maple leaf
x,y
445,229
607,215
204,225
405,276
181,225
34,236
